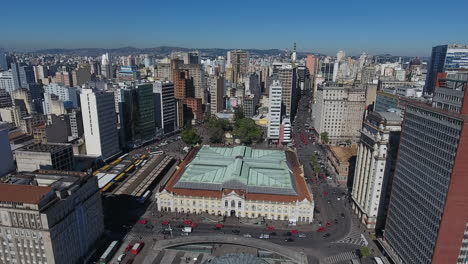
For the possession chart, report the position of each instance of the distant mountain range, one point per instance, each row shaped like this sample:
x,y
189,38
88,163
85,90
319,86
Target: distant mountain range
x,y
162,51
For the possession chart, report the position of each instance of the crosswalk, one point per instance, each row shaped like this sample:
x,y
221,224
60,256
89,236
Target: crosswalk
x,y
354,237
344,257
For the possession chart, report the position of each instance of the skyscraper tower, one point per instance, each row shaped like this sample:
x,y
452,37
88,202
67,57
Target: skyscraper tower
x,y
428,213
99,123
294,54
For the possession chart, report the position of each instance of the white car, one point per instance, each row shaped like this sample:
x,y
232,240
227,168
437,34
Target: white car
x,y
247,235
302,235
121,257
338,198
264,236
163,144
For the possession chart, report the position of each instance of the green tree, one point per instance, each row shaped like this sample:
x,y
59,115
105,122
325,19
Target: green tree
x,y
348,142
247,131
216,135
219,123
190,136
365,252
315,165
324,137
238,113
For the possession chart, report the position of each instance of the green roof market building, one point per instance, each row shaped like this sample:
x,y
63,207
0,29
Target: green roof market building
x,y
239,181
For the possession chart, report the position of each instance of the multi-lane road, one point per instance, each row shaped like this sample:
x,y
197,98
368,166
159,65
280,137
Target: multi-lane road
x,y
345,233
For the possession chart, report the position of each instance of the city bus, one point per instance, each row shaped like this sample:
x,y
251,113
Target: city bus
x,y
144,197
109,253
136,248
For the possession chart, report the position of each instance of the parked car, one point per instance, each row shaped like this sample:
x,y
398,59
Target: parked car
x,y
302,235
288,234
247,235
326,235
264,236
127,249
289,240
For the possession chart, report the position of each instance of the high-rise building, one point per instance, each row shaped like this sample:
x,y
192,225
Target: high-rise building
x,y
375,165
6,162
40,73
310,63
239,59
199,81
446,58
216,94
50,217
128,73
138,115
339,111
50,156
81,75
106,66
287,75
22,75
3,60
63,77
428,211
5,99
165,110
274,120
449,92
249,106
69,95
99,123
285,131
6,81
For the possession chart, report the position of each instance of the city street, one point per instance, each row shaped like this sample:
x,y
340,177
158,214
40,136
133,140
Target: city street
x,y
339,241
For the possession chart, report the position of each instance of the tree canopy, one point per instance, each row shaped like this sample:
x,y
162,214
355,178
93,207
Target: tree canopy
x,y
324,137
247,131
239,113
190,136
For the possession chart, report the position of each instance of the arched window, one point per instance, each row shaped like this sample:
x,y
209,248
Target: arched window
x,y
233,203
253,207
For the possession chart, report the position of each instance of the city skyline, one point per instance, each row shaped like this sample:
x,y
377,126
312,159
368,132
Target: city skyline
x,y
405,28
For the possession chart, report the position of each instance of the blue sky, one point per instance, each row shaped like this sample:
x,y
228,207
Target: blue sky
x,y
409,27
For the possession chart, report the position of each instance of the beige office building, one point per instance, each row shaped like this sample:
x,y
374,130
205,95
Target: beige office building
x,y
51,218
339,111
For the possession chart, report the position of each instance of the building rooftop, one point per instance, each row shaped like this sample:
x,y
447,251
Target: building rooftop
x,y
391,116
18,193
49,147
254,170
257,174
33,187
344,153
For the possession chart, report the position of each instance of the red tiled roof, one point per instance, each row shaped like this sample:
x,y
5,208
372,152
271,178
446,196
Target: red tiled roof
x,y
18,193
301,187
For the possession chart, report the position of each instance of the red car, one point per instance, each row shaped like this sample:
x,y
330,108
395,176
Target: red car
x,y
328,224
325,193
193,225
127,249
143,222
321,229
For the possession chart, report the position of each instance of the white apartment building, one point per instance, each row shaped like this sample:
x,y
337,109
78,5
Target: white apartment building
x,y
286,129
63,92
274,120
375,164
99,123
6,81
50,218
339,111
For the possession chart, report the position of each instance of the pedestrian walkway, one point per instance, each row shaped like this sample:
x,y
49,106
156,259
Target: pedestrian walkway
x,y
354,237
344,257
